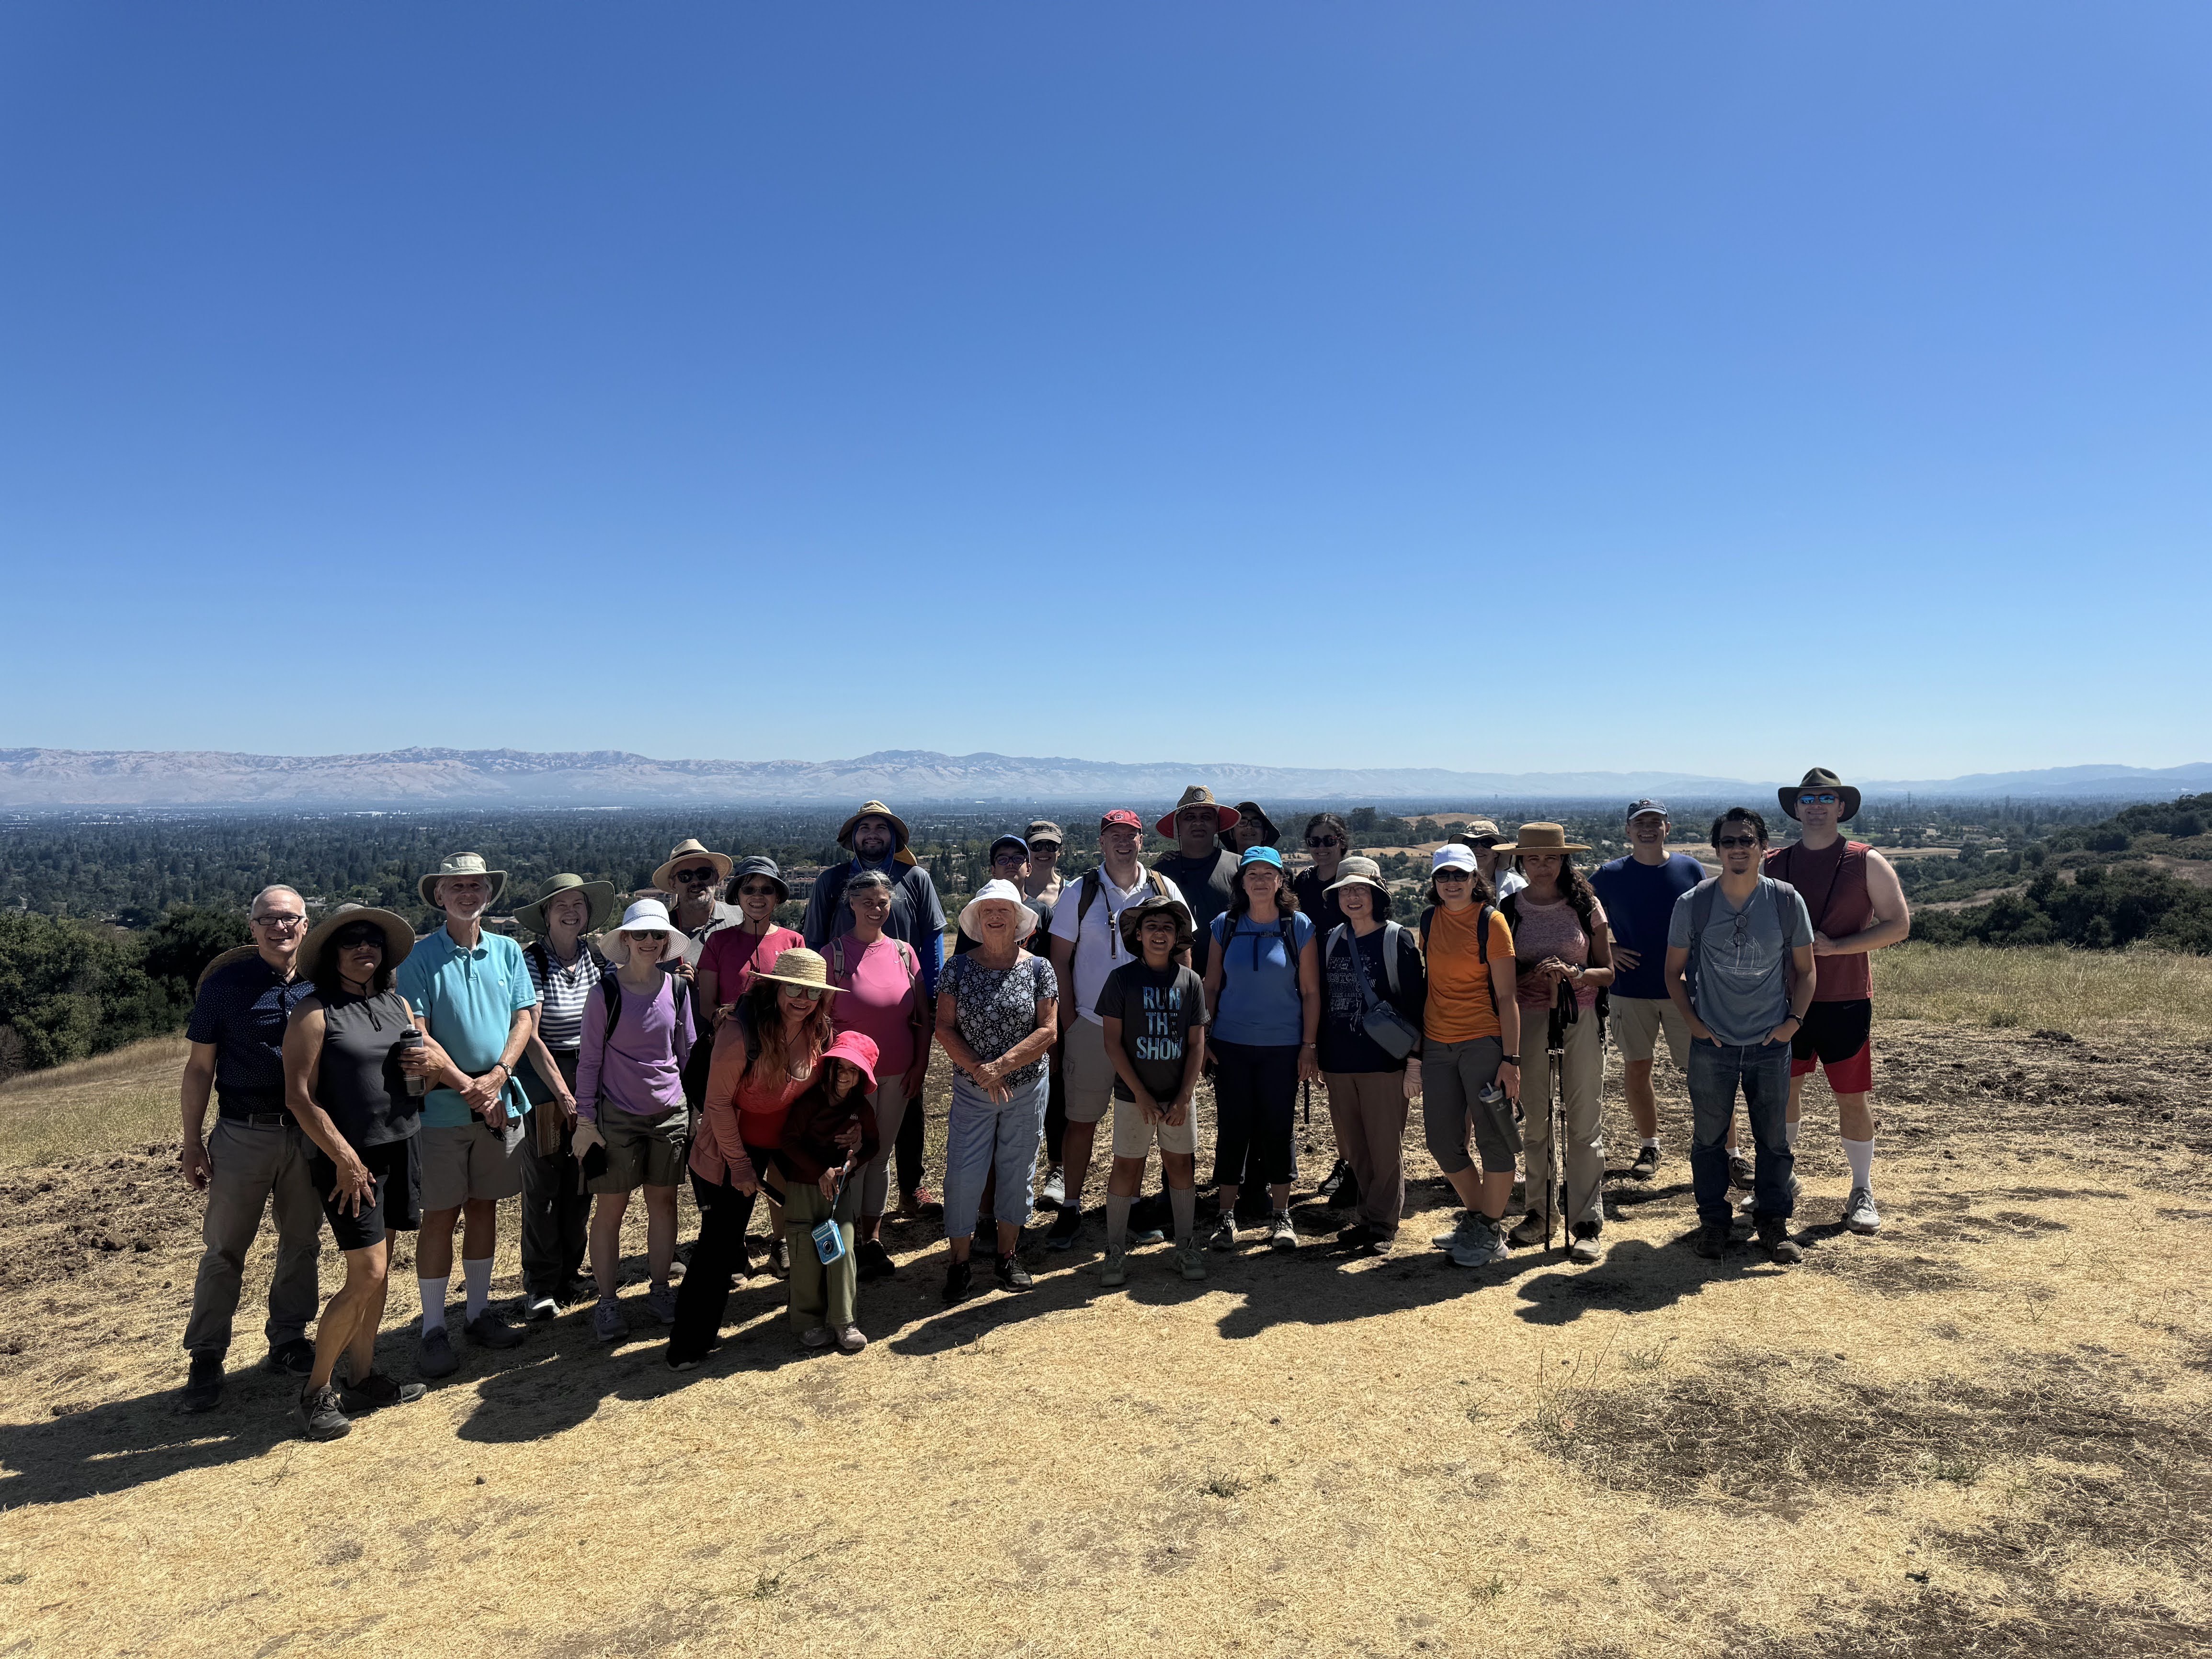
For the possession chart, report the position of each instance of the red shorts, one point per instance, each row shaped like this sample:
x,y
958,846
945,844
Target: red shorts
x,y
1838,1037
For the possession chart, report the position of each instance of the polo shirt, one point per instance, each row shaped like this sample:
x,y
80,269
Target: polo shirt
x,y
469,998
242,1009
1097,937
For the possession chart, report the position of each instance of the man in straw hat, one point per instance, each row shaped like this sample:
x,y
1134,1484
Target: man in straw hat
x,y
877,838
473,992
257,1157
1858,907
1203,867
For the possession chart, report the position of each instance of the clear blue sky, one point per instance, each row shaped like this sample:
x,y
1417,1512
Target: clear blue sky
x,y
1723,387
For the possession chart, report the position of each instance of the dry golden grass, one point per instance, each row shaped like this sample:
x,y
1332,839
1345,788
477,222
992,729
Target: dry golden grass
x,y
2110,994
126,1099
1985,1430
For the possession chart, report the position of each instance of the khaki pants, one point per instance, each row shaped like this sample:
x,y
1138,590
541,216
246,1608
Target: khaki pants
x,y
257,1165
1367,1109
875,1180
819,1295
1583,1065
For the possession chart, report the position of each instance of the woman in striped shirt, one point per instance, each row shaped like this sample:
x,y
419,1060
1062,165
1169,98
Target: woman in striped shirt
x,y
566,969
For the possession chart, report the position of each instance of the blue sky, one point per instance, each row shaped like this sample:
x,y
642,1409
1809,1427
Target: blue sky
x,y
1726,388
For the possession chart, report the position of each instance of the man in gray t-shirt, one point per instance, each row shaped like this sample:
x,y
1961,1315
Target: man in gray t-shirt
x,y
1754,980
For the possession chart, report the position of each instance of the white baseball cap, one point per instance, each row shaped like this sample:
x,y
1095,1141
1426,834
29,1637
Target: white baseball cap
x,y
1452,856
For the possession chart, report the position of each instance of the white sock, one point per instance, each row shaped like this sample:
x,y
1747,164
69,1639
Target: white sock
x,y
1183,1201
1652,1141
1789,1128
1117,1221
1860,1155
478,1274
433,1292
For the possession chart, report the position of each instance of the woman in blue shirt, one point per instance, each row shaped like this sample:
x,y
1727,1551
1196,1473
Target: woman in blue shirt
x,y
1263,992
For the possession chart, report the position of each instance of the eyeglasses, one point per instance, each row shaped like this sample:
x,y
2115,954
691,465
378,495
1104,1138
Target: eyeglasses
x,y
1010,858
758,889
1816,800
281,921
1737,840
707,874
1323,841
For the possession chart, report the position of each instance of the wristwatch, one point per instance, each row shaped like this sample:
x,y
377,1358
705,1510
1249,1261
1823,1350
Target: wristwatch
x,y
1509,1060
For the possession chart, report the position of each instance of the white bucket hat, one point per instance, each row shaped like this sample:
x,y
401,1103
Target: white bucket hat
x,y
646,916
1025,919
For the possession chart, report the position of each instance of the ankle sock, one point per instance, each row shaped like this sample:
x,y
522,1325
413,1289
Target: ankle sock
x,y
1183,1201
1859,1154
1789,1129
433,1292
1117,1221
1651,1141
477,1277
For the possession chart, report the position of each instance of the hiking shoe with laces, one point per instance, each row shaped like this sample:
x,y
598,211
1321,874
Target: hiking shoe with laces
x,y
1711,1241
488,1330
779,1256
320,1418
608,1324
1009,1274
1358,1237
1334,1187
815,1336
1530,1231
434,1356
1064,1226
660,1303
959,1280
1585,1251
202,1390
1188,1260
1223,1236
1458,1232
1646,1164
1115,1270
872,1261
294,1358
852,1339
1774,1238
1281,1236
1741,1171
1483,1243
1055,1188
539,1308
375,1391
1859,1212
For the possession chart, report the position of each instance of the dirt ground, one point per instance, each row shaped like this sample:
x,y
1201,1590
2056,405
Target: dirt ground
x,y
1985,1432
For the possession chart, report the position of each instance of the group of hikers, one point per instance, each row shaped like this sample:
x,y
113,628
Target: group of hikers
x,y
377,1081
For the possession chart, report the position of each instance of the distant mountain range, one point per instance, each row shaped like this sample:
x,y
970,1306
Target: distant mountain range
x,y
47,779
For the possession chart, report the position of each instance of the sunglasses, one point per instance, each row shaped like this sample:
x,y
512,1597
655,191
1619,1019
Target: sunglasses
x,y
707,874
354,941
646,938
1323,841
1453,875
1816,800
1737,840
1048,847
758,889
805,993
1010,858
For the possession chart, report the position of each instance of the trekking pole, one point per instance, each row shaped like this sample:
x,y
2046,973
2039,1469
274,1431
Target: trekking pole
x,y
1306,1089
1555,1104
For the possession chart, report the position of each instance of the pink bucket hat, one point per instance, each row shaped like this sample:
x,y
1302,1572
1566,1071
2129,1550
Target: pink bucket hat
x,y
858,1048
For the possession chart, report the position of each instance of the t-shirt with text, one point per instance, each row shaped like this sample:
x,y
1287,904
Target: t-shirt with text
x,y
1158,1011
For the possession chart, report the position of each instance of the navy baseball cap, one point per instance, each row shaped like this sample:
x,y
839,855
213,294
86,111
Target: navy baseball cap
x,y
1636,809
1010,840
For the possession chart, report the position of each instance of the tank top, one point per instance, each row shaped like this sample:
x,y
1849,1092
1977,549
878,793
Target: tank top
x,y
1834,884
358,1081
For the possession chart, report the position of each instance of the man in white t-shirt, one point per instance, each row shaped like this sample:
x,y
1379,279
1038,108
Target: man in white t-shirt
x,y
1086,946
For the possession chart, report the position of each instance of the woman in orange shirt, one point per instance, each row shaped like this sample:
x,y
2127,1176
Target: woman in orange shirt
x,y
1470,1052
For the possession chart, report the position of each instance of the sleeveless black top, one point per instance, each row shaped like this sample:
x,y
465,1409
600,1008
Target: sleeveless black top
x,y
359,1082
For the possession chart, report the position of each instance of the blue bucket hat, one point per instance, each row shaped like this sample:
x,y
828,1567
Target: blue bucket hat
x,y
1261,855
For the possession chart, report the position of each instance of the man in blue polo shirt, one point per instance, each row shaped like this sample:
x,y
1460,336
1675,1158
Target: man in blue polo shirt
x,y
257,1157
1638,893
475,994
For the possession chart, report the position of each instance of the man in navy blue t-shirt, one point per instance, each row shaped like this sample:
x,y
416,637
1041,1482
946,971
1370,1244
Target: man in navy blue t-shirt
x,y
1638,893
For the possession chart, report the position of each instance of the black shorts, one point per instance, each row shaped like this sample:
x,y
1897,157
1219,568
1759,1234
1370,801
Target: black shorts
x,y
394,1202
1838,1037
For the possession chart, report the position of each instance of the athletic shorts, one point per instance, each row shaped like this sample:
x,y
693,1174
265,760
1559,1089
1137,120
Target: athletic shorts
x,y
1133,1137
468,1162
1839,1037
1638,1023
1088,1074
641,1152
394,1204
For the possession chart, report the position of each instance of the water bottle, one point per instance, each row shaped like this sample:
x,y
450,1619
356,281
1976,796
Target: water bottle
x,y
411,1040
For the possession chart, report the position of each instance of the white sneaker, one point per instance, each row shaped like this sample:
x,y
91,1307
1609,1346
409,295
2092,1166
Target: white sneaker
x,y
1115,1270
1055,1188
1859,1212
1281,1236
1223,1236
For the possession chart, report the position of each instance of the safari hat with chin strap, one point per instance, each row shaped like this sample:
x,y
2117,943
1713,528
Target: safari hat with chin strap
x,y
1541,838
664,878
1820,779
599,896
460,864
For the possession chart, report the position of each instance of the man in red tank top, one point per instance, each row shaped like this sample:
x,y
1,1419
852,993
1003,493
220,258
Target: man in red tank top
x,y
1857,906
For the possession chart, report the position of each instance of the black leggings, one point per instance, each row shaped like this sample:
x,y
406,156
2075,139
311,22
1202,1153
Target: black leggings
x,y
1255,1105
704,1297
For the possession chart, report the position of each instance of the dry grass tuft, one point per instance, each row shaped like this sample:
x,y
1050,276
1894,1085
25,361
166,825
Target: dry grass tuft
x,y
2115,993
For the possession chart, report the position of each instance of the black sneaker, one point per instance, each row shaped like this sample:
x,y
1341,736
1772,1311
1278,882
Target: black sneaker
x,y
1711,1242
1341,1190
319,1416
1358,1235
1774,1238
959,1280
375,1391
1064,1226
1646,1164
1009,1274
294,1358
1149,1219
203,1390
872,1261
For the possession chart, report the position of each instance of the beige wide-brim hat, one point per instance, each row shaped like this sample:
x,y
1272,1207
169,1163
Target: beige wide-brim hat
x,y
646,916
1357,870
398,936
664,877
1847,799
800,966
1541,838
901,853
1197,795
461,864
1025,919
599,895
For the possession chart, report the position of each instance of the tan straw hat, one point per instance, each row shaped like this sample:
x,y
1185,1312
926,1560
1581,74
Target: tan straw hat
x,y
460,864
398,936
599,896
800,966
1197,795
664,878
1822,779
1541,838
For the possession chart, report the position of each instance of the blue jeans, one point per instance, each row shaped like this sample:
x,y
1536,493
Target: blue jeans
x,y
982,1135
1764,1069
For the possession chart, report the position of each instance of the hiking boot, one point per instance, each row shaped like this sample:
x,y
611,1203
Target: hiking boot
x,y
434,1356
1358,1237
1281,1236
1646,1164
1774,1238
1009,1274
608,1324
1483,1244
852,1339
488,1330
202,1390
1064,1226
1055,1189
1585,1251
375,1391
1741,1171
1189,1260
815,1336
779,1256
1340,1189
1859,1212
1224,1234
1115,1270
538,1308
1530,1230
1712,1241
872,1261
959,1280
660,1303
319,1416
294,1358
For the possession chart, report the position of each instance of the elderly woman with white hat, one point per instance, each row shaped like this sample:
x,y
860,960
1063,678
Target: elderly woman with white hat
x,y
631,1123
997,1017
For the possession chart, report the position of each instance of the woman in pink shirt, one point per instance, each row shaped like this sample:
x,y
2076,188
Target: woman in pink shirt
x,y
734,955
881,977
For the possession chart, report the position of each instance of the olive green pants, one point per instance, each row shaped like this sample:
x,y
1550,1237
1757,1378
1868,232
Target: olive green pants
x,y
819,1295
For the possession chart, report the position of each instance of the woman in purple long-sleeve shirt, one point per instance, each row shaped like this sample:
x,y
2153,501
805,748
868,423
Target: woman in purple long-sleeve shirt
x,y
630,1119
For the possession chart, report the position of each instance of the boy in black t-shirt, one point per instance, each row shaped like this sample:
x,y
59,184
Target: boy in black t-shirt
x,y
1153,1009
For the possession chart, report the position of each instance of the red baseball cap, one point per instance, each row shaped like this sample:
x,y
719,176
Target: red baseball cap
x,y
1123,817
